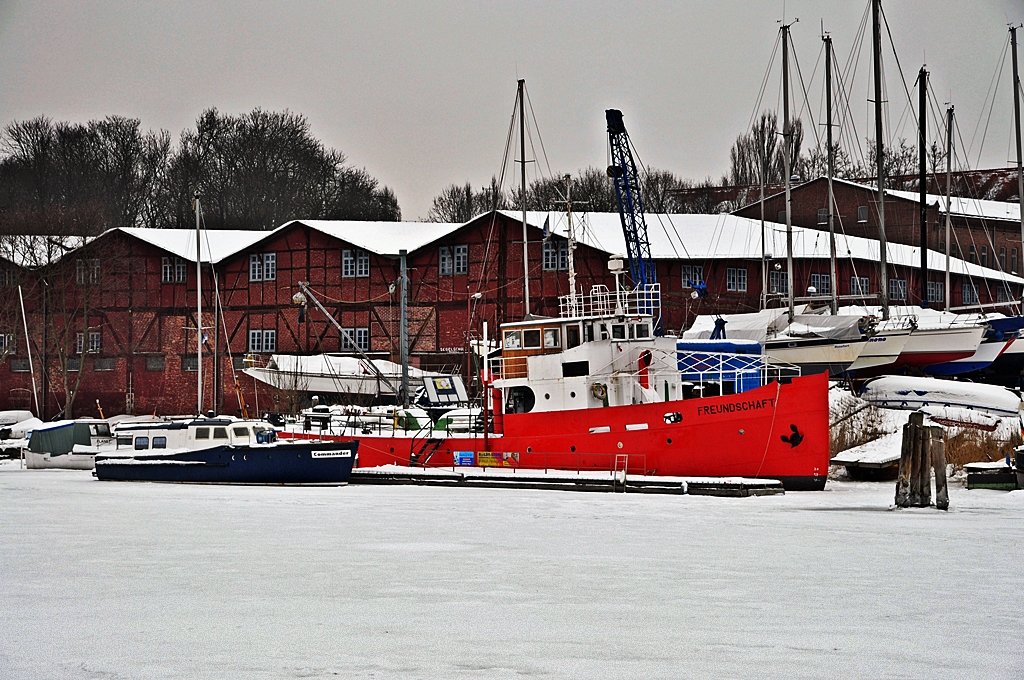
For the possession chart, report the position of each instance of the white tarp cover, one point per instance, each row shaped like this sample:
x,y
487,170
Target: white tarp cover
x,y
340,366
749,326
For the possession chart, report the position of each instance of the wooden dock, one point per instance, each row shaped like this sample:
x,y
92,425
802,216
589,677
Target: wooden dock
x,y
565,480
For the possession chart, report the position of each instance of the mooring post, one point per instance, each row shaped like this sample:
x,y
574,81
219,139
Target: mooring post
x,y
939,464
929,435
903,479
916,446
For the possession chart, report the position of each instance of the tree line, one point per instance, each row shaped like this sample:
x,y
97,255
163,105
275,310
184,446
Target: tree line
x,y
253,171
260,169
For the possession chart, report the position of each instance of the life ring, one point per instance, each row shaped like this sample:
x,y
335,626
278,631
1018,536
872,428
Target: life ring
x,y
599,390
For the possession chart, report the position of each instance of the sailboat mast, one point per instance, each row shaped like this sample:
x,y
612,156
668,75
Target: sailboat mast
x,y
876,42
403,322
831,162
949,175
787,135
571,246
199,314
1016,128
522,160
922,170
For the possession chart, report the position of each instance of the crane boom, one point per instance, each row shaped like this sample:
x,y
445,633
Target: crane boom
x,y
630,201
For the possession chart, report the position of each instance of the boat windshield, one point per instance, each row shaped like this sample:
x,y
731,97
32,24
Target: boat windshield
x,y
265,435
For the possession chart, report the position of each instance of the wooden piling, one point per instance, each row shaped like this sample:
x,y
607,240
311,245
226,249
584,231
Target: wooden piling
x,y
905,458
939,464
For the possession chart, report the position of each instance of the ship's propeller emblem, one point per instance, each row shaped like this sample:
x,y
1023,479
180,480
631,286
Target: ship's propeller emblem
x,y
793,439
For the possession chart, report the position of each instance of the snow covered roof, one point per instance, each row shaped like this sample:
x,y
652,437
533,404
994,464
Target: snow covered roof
x,y
382,238
217,244
967,207
726,236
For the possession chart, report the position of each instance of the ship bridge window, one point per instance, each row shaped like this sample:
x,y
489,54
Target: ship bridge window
x,y
551,339
240,433
220,433
531,338
99,429
640,331
202,433
513,339
601,331
572,336
575,369
618,331
141,443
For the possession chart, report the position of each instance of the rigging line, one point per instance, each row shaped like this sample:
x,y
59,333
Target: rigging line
x,y
764,81
661,223
899,66
807,99
993,85
536,127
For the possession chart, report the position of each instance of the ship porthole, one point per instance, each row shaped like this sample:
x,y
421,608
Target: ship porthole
x,y
245,457
619,445
573,448
392,449
669,440
572,395
742,431
529,449
547,396
232,457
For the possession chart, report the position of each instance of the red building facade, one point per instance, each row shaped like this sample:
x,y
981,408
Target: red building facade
x,y
112,324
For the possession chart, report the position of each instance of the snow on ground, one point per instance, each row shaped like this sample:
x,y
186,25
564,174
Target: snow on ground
x,y
124,580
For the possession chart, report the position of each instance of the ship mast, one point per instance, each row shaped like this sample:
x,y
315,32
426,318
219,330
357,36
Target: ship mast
x,y
787,136
834,302
571,245
876,41
1016,129
522,160
949,173
199,314
922,85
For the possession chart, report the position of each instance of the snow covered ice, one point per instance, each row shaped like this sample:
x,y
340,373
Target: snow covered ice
x,y
124,580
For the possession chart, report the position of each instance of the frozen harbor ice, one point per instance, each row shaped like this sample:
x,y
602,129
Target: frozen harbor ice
x,y
122,580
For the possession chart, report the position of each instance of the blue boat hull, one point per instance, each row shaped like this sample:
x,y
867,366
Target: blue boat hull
x,y
295,463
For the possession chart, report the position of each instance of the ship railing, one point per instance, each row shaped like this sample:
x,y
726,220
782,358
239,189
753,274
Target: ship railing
x,y
744,371
601,302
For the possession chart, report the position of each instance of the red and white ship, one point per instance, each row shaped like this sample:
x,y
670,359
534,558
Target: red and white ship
x,y
596,389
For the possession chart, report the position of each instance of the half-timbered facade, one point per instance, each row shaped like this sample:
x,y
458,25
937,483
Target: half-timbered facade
x,y
113,323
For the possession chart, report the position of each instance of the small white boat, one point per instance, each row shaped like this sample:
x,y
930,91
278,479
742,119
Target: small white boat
x,y
911,393
67,444
333,374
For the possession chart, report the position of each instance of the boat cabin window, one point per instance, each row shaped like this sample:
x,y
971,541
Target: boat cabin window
x,y
141,443
572,336
99,429
202,433
220,433
551,339
531,338
639,331
124,440
265,435
601,331
159,442
618,331
240,433
513,340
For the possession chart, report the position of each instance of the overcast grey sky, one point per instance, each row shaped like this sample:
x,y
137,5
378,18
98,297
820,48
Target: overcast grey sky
x,y
421,93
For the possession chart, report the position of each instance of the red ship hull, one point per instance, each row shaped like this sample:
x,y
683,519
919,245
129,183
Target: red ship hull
x,y
779,431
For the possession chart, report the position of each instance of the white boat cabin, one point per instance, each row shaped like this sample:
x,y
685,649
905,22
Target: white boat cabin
x,y
200,433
